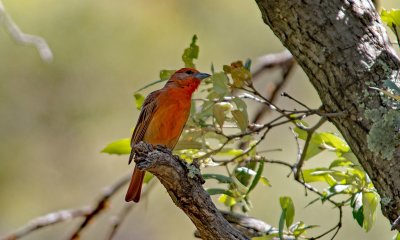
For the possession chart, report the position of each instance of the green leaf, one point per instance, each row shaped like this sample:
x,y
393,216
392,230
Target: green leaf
x,y
370,202
317,175
119,147
300,228
219,112
241,119
314,146
220,178
220,83
257,177
239,186
215,191
139,99
265,181
166,74
287,204
357,205
392,19
240,104
397,236
341,162
392,86
227,200
334,141
190,53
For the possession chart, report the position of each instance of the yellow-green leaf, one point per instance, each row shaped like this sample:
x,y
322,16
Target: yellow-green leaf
x,y
392,19
287,204
241,119
370,201
227,200
397,237
257,177
191,53
139,99
220,83
265,181
166,74
334,141
219,112
122,146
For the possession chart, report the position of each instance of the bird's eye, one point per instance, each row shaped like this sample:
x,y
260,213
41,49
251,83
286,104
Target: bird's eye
x,y
189,72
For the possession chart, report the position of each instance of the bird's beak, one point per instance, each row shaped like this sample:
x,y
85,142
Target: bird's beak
x,y
201,76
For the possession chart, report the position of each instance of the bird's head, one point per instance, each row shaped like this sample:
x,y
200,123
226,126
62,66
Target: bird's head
x,y
186,79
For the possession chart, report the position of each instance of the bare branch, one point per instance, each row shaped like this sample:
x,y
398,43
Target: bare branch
x,y
285,61
101,205
120,218
20,37
48,220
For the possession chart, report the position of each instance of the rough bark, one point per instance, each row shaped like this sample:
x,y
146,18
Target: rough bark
x,y
189,194
343,48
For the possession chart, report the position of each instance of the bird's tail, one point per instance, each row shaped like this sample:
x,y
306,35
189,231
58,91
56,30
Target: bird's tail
x,y
135,187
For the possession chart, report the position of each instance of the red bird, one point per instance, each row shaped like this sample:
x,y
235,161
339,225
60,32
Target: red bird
x,y
163,116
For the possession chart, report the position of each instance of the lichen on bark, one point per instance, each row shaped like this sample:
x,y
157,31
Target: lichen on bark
x,y
383,137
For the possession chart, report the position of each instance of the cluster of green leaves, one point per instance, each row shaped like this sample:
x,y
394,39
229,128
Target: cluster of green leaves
x,y
218,133
343,176
287,226
392,20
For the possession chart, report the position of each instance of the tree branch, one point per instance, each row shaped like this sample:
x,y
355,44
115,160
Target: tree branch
x,y
189,194
47,220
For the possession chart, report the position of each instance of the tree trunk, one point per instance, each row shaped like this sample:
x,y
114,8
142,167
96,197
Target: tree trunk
x,y
343,48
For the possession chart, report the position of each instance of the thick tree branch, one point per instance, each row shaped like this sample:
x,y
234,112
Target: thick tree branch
x,y
189,194
343,48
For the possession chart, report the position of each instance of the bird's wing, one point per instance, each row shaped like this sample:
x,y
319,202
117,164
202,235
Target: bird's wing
x,y
148,109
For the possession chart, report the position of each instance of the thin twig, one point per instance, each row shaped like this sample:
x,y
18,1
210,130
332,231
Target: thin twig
x,y
120,218
101,204
310,131
336,227
273,60
285,94
274,88
20,37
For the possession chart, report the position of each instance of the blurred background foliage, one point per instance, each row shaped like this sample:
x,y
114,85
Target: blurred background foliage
x,y
56,117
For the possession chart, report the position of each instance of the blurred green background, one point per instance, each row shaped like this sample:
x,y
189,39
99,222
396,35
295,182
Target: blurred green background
x,y
56,117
